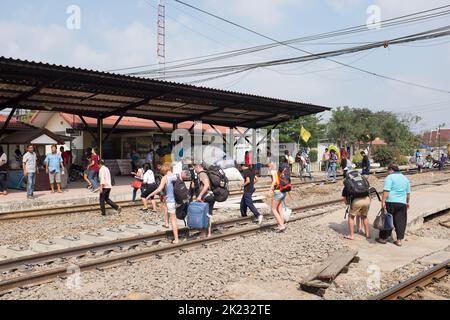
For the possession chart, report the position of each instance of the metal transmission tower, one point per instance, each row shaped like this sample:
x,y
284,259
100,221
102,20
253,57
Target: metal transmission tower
x,y
161,38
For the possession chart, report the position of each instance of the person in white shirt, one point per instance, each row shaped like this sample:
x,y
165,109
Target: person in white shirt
x,y
150,185
3,172
105,189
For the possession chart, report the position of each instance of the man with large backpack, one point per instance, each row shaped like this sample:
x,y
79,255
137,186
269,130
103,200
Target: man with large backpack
x,y
205,193
356,193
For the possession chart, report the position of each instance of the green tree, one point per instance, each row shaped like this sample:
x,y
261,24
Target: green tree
x,y
290,131
341,127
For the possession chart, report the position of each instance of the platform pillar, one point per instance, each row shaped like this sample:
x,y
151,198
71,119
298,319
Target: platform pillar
x,y
100,137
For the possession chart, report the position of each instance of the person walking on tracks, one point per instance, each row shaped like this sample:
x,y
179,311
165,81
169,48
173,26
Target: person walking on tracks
x,y
150,185
93,169
54,167
205,193
332,166
248,185
326,159
167,185
356,195
396,201
30,169
278,197
105,189
365,163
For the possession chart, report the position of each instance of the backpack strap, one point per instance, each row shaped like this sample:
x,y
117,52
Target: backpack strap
x,y
347,210
373,190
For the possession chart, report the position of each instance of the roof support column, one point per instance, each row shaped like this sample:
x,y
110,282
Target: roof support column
x,y
230,147
113,128
254,147
88,129
100,136
8,120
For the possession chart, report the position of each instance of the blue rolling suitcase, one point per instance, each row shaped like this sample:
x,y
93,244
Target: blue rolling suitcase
x,y
197,217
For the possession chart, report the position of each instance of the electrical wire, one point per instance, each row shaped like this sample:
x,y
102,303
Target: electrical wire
x,y
361,28
308,52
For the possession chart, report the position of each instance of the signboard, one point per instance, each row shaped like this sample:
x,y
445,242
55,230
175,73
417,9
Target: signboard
x,y
73,132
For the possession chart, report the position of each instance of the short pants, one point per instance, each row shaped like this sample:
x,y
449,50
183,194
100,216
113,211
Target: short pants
x,y
55,177
279,196
360,207
171,207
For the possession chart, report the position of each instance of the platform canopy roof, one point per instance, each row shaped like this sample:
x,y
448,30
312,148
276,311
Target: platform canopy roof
x,y
40,86
34,136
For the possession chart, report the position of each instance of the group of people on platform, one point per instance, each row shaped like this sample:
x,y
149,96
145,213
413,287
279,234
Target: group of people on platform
x,y
330,159
159,180
55,165
429,162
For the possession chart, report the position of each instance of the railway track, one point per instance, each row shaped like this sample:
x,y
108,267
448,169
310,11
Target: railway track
x,y
131,249
418,284
73,209
20,271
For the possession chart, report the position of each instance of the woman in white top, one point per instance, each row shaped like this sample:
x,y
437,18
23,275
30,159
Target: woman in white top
x,y
277,198
138,182
149,185
167,185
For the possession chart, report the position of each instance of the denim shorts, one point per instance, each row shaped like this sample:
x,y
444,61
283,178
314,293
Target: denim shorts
x,y
171,207
279,196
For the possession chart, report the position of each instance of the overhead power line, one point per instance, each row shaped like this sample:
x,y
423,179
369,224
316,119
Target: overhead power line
x,y
222,71
310,53
421,16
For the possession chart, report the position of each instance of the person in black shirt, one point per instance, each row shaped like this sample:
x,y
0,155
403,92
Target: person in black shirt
x,y
365,164
249,188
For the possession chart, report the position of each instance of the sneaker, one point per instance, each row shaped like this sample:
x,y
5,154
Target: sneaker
x,y
260,219
96,190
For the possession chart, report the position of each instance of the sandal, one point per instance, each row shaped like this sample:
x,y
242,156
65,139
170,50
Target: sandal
x,y
173,242
349,238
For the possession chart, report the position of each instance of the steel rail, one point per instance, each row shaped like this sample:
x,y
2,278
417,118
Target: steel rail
x,y
45,212
408,287
9,264
12,263
49,275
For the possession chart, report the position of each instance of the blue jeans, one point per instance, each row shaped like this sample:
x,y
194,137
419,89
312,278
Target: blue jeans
x,y
247,202
332,171
135,193
31,181
93,178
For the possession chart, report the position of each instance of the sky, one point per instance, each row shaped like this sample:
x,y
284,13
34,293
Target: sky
x,y
119,34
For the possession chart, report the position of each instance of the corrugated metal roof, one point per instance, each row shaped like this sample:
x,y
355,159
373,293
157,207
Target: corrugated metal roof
x,y
41,86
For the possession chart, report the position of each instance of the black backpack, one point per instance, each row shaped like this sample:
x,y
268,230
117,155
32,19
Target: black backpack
x,y
219,183
357,185
181,211
181,192
284,177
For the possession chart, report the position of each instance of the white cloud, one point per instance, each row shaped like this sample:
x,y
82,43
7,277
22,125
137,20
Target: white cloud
x,y
130,46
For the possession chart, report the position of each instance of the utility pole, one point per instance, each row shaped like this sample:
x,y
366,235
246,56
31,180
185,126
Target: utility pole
x,y
161,37
439,138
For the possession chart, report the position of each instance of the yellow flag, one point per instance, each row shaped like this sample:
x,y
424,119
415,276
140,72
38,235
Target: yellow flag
x,y
305,134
